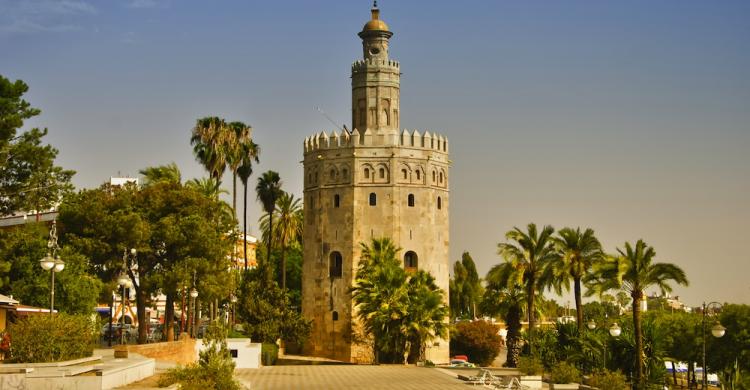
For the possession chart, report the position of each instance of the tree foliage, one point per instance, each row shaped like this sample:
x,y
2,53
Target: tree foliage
x,y
266,313
76,290
176,230
465,288
478,340
29,178
401,311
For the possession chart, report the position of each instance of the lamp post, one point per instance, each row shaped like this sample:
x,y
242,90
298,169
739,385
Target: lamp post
x,y
53,263
614,331
233,299
717,331
124,281
194,295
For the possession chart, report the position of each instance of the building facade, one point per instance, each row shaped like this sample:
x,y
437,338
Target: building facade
x,y
375,181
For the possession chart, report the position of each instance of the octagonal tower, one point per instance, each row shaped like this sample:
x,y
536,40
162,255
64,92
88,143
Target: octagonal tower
x,y
375,181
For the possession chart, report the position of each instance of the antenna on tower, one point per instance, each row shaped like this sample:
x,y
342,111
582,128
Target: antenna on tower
x,y
332,121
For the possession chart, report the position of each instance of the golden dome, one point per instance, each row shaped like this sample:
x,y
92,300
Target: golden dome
x,y
375,24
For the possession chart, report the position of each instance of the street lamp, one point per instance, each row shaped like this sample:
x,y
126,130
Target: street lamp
x,y
614,331
194,295
233,299
717,331
124,281
53,263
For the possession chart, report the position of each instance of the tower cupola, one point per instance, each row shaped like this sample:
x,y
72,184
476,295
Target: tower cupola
x,y
375,35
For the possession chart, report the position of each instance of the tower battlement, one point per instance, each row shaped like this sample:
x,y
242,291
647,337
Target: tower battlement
x,y
360,65
410,139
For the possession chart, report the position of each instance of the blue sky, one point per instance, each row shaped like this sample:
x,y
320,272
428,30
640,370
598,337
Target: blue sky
x,y
632,118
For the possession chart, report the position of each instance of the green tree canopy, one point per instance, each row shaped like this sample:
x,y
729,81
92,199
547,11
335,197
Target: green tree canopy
x,y
29,178
465,288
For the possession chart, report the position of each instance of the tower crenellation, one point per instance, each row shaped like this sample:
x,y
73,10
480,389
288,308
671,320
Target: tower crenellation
x,y
374,181
406,138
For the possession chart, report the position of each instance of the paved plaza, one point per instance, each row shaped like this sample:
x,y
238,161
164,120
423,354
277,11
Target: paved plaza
x,y
348,377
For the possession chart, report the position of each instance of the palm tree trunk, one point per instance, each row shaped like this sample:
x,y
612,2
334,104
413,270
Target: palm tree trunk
x,y
638,339
532,320
244,225
169,318
283,268
270,235
579,307
234,193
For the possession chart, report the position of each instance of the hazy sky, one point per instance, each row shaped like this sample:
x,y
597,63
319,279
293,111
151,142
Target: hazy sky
x,y
632,118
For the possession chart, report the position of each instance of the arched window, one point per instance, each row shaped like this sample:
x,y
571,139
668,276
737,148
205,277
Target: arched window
x,y
333,174
419,175
410,261
441,177
336,200
440,203
373,199
335,316
410,200
336,265
367,173
316,177
382,173
434,176
404,174
345,174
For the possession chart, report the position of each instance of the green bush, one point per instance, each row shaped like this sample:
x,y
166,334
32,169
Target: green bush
x,y
215,368
478,340
608,380
530,365
269,353
564,372
44,338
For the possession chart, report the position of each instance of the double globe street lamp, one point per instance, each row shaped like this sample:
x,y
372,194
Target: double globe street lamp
x,y
717,331
53,263
614,331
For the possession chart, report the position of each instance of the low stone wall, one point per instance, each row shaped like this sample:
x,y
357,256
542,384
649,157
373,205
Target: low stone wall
x,y
181,352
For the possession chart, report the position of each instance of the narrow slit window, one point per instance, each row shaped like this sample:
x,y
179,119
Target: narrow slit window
x,y
373,199
336,200
382,173
410,200
367,173
336,265
439,203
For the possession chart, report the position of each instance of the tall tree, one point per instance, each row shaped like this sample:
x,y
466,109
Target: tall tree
x,y
465,287
527,254
29,178
269,190
576,254
508,301
634,270
289,221
210,137
238,137
250,153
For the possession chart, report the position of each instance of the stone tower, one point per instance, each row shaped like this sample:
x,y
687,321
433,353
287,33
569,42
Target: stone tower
x,y
375,181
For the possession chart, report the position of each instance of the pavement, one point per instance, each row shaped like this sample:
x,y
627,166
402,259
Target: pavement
x,y
364,377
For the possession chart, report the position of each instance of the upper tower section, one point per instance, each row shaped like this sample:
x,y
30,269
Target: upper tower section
x,y
375,80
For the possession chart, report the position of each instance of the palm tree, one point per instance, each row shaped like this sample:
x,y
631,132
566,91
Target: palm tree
x,y
207,186
268,190
634,271
506,301
527,258
162,173
250,153
289,218
425,320
210,137
238,136
576,254
380,294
